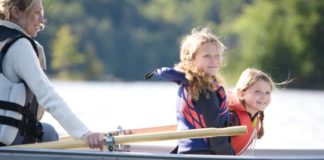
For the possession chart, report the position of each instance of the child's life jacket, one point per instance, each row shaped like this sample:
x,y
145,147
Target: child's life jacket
x,y
239,116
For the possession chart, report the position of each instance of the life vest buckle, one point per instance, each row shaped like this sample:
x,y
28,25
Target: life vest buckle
x,y
110,141
39,132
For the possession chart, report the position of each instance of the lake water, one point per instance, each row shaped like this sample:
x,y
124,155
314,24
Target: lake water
x,y
294,119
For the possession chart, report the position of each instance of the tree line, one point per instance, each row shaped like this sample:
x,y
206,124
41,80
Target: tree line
x,y
121,40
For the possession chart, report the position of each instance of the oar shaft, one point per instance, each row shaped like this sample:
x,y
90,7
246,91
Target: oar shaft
x,y
194,133
148,137
165,128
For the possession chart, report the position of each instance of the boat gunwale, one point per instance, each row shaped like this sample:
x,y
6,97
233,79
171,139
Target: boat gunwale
x,y
55,154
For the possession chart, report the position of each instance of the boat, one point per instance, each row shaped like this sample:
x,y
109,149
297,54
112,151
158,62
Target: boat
x,y
122,147
139,152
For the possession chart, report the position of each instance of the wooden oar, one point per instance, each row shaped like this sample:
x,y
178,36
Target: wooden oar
x,y
165,128
148,137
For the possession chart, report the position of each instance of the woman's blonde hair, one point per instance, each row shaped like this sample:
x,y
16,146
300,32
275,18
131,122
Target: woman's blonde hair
x,y
199,81
6,7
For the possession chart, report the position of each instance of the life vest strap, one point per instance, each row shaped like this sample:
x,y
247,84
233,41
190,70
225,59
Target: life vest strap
x,y
233,119
9,121
27,114
32,128
11,106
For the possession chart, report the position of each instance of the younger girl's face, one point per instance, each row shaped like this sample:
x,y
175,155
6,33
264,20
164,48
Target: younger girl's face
x,y
208,58
257,97
32,20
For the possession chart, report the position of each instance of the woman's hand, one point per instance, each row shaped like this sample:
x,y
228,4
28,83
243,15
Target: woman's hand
x,y
94,140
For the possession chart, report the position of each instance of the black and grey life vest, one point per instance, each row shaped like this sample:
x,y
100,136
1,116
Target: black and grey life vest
x,y
18,116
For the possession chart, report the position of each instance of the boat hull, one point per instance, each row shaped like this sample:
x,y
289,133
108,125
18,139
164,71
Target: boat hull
x,y
152,153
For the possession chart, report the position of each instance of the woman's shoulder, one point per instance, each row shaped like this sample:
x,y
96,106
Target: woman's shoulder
x,y
22,44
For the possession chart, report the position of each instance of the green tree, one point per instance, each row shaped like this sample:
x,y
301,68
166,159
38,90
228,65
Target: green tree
x,y
276,36
93,67
65,54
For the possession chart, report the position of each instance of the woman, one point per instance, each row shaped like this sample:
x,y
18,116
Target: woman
x,y
25,90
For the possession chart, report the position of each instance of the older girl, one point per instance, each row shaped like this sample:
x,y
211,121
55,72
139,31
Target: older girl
x,y
201,98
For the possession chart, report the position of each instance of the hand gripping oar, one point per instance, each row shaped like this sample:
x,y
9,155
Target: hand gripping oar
x,y
148,137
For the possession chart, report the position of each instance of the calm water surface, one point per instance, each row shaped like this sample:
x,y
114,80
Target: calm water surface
x,y
294,119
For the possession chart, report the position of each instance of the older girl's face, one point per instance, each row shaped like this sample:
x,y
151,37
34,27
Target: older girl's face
x,y
208,58
32,20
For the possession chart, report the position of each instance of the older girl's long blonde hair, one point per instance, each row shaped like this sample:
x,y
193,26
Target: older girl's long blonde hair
x,y
199,81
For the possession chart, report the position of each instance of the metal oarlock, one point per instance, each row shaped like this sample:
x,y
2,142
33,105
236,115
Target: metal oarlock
x,y
110,141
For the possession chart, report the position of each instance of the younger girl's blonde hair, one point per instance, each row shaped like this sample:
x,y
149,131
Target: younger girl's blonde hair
x,y
199,81
251,75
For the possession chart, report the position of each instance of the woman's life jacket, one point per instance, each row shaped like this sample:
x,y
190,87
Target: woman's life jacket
x,y
241,142
204,113
18,105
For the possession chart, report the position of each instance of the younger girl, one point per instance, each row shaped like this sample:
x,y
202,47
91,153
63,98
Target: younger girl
x,y
201,98
252,97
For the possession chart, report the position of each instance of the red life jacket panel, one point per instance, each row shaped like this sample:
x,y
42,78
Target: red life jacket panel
x,y
242,142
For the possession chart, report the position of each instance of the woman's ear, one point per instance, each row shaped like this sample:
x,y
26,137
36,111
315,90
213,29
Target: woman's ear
x,y
15,13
